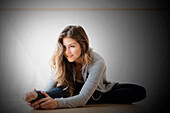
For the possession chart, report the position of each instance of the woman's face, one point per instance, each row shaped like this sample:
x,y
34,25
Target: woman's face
x,y
72,49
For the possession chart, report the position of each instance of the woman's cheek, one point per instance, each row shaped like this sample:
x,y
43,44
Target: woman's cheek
x,y
73,50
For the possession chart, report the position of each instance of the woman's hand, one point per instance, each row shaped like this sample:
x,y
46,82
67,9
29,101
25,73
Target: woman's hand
x,y
35,106
45,103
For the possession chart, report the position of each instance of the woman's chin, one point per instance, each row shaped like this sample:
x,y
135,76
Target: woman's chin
x,y
70,60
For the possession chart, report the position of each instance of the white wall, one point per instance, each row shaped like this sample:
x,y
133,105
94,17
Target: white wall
x,y
133,43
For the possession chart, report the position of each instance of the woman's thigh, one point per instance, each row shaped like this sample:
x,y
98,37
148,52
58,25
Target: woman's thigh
x,y
124,93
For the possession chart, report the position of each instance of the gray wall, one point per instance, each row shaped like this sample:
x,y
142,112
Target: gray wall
x,y
134,43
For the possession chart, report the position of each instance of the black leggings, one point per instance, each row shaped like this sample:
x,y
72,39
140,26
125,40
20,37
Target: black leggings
x,y
120,93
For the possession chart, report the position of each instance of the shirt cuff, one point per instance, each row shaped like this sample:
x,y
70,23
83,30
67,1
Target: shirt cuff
x,y
61,102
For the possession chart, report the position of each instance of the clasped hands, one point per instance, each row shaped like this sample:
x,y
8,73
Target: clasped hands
x,y
45,103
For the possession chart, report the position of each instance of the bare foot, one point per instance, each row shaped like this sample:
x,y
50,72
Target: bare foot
x,y
32,95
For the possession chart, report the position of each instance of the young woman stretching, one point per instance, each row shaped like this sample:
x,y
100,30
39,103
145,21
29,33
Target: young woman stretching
x,y
78,77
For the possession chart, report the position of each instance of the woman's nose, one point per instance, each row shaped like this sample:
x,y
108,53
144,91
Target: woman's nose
x,y
68,51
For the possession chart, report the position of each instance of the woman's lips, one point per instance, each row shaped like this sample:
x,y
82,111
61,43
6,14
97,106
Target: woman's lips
x,y
69,56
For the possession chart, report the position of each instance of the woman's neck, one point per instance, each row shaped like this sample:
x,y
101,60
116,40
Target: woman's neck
x,y
79,62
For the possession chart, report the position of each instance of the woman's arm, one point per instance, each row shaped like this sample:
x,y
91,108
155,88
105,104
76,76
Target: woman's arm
x,y
95,74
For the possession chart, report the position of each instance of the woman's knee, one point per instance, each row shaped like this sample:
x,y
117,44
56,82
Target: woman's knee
x,y
141,91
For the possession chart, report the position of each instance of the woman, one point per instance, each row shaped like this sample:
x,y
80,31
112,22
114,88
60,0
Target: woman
x,y
79,77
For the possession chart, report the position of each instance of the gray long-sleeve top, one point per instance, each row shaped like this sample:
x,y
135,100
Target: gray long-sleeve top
x,y
95,79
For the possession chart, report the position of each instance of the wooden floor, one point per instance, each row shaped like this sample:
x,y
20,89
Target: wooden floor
x,y
149,105
97,108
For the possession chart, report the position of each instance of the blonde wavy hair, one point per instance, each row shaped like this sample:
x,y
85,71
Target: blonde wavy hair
x,y
63,75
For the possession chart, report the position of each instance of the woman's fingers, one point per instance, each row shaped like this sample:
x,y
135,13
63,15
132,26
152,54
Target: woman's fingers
x,y
34,106
49,104
46,105
45,94
41,100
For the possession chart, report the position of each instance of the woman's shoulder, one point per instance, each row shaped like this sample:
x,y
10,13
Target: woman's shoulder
x,y
96,56
98,61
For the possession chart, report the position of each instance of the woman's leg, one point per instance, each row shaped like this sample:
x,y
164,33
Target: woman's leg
x,y
57,92
125,94
122,94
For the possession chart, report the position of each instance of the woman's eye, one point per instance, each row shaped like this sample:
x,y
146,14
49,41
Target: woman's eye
x,y
72,46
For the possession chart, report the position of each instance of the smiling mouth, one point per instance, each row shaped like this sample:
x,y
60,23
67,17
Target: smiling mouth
x,y
69,56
